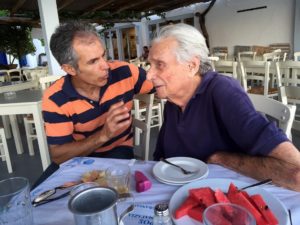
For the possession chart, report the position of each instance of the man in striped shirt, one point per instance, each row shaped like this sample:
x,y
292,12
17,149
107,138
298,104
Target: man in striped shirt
x,y
87,112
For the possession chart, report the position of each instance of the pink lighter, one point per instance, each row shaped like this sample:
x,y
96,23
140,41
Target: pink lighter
x,y
142,182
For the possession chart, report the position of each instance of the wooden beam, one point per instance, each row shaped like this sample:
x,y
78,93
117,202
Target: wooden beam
x,y
64,3
20,21
17,6
103,21
128,6
96,7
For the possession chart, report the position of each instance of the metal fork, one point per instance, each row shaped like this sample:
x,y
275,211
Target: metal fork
x,y
184,171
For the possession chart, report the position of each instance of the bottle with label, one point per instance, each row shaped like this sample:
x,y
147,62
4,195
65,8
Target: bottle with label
x,y
162,215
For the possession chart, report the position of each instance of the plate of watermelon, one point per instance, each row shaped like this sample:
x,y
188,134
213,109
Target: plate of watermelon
x,y
189,202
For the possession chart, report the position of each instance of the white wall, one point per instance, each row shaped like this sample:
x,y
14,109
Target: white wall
x,y
297,27
228,28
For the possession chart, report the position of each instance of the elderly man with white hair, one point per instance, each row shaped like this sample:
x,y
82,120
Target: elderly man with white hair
x,y
210,117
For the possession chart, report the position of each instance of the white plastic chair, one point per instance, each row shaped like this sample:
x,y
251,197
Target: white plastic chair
x,y
46,81
247,55
296,56
28,120
274,56
4,76
258,74
221,55
283,113
227,68
143,125
140,110
4,153
15,75
212,60
288,76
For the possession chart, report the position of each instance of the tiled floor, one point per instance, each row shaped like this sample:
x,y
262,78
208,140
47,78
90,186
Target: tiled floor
x,y
31,167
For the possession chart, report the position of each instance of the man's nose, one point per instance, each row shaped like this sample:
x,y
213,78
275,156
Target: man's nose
x,y
104,64
150,74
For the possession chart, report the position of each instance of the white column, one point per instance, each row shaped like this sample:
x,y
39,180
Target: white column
x,y
49,21
143,35
120,44
138,39
110,46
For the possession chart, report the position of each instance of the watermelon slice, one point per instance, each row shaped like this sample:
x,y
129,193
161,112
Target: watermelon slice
x,y
183,209
217,217
204,195
264,209
196,213
239,199
232,189
220,196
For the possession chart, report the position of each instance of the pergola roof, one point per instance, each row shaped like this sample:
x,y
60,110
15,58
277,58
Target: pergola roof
x,y
98,11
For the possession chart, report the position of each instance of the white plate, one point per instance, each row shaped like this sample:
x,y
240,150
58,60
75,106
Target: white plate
x,y
171,174
181,194
169,183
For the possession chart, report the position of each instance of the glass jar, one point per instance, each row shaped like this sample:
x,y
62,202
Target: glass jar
x,y
162,215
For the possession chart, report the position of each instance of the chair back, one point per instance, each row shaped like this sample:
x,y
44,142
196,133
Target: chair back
x,y
46,81
143,124
246,56
4,76
284,114
227,68
212,60
15,75
288,73
257,75
221,55
274,56
296,56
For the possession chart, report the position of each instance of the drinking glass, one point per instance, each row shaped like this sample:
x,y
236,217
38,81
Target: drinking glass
x,y
15,203
82,186
227,213
118,177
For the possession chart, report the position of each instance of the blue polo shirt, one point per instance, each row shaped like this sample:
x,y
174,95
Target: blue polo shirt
x,y
219,117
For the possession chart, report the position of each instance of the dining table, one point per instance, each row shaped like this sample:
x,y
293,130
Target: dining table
x,y
57,212
26,102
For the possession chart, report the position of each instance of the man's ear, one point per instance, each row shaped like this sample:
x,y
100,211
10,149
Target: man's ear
x,y
194,65
69,69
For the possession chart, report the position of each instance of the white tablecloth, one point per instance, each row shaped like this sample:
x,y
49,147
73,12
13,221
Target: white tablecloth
x,y
57,213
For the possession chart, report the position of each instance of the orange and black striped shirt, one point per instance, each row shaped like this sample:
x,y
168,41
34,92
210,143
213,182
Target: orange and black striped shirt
x,y
70,116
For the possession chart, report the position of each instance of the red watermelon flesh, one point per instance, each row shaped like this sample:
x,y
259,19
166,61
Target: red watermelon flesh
x,y
196,213
185,207
239,199
264,209
220,196
218,220
204,195
232,189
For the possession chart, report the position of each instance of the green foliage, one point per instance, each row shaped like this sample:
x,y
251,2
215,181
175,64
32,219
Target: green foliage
x,y
4,13
16,41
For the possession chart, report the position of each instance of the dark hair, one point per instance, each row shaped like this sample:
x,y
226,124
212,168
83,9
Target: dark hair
x,y
61,42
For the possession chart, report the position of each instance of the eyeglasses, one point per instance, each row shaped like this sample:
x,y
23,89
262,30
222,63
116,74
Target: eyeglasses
x,y
45,196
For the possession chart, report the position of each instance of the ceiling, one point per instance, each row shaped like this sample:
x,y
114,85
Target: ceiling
x,y
97,11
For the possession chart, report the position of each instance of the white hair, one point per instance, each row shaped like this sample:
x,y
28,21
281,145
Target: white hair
x,y
190,41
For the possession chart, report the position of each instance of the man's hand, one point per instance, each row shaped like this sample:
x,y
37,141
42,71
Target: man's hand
x,y
118,117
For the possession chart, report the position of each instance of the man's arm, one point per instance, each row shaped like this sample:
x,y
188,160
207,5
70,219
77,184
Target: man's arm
x,y
282,165
118,117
